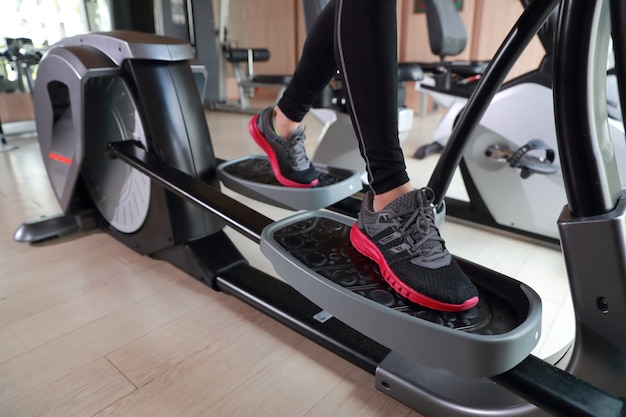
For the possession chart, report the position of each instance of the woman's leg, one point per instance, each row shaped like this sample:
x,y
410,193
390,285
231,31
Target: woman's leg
x,y
315,68
396,225
366,50
277,128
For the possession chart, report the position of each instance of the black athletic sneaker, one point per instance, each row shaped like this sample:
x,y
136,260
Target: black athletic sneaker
x,y
405,243
291,166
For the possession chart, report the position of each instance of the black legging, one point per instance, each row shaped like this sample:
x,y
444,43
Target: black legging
x,y
360,38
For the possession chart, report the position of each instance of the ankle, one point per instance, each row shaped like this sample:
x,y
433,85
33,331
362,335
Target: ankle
x,y
382,200
283,126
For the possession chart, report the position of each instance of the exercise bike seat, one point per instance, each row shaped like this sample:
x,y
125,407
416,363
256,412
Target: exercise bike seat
x,y
447,36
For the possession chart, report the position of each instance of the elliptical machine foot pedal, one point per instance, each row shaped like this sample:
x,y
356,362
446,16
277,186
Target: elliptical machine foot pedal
x,y
252,176
312,252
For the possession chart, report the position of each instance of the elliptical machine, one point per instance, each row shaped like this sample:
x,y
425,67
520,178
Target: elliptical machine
x,y
439,364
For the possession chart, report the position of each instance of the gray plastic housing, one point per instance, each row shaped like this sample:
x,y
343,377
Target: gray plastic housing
x,y
71,63
420,340
122,44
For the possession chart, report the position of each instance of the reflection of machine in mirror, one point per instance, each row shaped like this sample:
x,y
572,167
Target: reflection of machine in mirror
x,y
20,60
18,69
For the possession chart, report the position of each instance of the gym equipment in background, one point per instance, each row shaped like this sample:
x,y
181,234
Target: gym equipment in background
x,y
510,168
241,62
21,59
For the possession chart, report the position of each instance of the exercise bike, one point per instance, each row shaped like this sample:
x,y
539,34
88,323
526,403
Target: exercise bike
x,y
510,168
161,197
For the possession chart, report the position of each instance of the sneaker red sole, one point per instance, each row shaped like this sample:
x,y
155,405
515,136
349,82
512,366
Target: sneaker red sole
x,y
366,247
271,156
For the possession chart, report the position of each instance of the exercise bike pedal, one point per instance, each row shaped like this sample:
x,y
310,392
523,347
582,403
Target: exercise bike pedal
x,y
252,177
520,158
312,252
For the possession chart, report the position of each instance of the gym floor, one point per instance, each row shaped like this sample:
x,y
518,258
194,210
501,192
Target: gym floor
x,y
90,328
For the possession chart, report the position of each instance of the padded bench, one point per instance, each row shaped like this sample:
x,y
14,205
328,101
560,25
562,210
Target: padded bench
x,y
247,81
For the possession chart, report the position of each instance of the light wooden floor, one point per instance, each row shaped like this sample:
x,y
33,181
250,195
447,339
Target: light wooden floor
x,y
89,328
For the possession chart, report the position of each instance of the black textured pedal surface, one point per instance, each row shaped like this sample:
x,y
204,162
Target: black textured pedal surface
x,y
259,170
323,245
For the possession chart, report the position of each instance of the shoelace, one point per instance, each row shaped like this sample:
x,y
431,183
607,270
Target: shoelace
x,y
419,228
297,153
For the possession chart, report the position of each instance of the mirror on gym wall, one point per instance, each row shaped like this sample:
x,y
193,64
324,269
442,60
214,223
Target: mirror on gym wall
x,y
28,27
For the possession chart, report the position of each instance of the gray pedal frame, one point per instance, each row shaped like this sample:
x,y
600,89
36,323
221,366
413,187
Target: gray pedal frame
x,y
288,197
432,345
